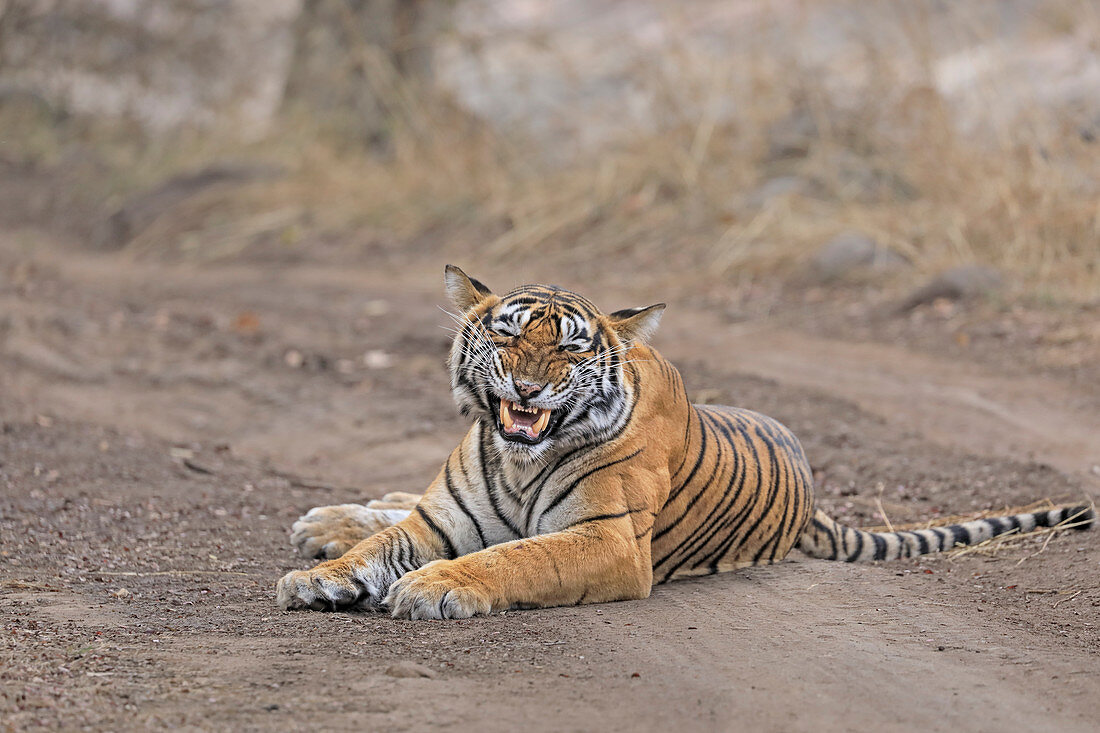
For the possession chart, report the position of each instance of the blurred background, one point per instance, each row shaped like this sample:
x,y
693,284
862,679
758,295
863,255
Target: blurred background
x,y
209,208
691,144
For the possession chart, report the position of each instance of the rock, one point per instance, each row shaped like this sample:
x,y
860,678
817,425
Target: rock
x,y
775,188
409,669
376,359
958,283
851,251
792,136
862,179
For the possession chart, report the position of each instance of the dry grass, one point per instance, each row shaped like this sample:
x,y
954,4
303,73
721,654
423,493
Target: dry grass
x,y
1036,506
880,154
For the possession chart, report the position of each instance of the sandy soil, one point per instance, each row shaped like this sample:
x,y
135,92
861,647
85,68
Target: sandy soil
x,y
162,426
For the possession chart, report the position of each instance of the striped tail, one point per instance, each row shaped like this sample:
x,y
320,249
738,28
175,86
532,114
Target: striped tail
x,y
827,539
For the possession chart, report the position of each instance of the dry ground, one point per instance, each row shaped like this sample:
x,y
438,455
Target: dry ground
x,y
162,426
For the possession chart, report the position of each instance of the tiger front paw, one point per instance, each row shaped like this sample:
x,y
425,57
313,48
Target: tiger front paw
x,y
332,586
436,591
327,532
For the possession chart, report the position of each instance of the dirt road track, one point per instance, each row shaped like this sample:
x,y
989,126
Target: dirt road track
x,y
950,402
122,384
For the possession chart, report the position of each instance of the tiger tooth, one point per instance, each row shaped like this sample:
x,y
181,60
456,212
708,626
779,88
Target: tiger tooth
x,y
505,418
544,418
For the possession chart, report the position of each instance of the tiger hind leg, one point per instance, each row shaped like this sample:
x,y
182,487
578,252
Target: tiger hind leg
x,y
395,500
327,532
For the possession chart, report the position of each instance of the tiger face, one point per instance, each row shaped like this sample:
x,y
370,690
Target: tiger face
x,y
542,365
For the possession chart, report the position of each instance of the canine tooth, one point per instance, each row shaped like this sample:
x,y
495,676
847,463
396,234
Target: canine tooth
x,y
541,422
504,416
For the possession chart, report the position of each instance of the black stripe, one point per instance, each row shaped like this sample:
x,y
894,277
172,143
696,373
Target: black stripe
x,y
769,502
822,529
996,526
544,475
771,545
603,517
472,387
1083,517
687,432
448,546
922,542
791,512
702,453
569,490
393,555
404,558
493,501
859,546
781,479
960,534
880,545
458,498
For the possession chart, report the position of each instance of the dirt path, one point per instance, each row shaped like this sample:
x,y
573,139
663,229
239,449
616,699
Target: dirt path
x,y
162,427
950,402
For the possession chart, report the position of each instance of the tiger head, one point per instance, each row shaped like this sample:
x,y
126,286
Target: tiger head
x,y
541,365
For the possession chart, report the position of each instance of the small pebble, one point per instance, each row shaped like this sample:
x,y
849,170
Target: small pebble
x,y
409,669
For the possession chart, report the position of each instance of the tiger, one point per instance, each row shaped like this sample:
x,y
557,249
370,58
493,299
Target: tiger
x,y
586,476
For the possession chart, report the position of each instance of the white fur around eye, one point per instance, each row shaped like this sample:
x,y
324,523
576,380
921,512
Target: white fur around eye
x,y
574,333
510,320
504,328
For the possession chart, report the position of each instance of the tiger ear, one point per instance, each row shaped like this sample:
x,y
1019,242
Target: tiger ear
x,y
637,324
463,290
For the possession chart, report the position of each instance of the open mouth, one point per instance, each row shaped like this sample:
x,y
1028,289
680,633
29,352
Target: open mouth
x,y
525,424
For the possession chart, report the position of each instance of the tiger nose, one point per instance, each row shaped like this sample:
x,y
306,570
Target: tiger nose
x,y
527,389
